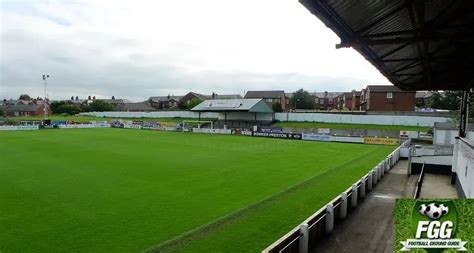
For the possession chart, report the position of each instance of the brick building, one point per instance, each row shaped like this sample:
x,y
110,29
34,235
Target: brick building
x,y
387,98
355,100
31,109
271,97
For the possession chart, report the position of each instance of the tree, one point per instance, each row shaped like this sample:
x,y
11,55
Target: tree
x,y
189,105
100,106
70,109
277,107
451,100
55,105
302,100
24,97
2,112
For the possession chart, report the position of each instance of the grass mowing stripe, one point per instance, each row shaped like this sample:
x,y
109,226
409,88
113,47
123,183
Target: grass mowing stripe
x,y
114,190
175,243
258,230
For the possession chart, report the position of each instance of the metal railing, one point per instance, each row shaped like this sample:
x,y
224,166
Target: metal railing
x,y
305,236
419,182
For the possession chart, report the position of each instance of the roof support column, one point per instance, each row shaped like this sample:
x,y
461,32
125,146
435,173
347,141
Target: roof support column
x,y
199,116
464,116
255,118
225,118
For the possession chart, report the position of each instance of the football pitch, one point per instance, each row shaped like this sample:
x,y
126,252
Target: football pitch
x,y
120,190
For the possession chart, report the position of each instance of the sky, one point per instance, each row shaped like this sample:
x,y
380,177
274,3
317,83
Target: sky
x,y
136,49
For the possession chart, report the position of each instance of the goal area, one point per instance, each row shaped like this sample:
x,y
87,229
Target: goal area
x,y
186,125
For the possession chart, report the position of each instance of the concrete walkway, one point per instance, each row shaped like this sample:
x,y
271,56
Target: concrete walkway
x,y
438,186
370,227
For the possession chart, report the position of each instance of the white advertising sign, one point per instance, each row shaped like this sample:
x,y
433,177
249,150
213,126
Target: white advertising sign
x,y
348,139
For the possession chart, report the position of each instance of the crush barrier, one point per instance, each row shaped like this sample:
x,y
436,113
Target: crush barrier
x,y
304,237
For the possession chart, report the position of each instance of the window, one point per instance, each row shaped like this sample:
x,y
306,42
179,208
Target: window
x,y
269,100
389,95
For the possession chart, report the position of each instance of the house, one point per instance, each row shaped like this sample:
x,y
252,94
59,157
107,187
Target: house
x,y
113,101
355,100
225,96
31,109
164,102
186,99
271,97
325,100
135,107
347,101
423,99
388,98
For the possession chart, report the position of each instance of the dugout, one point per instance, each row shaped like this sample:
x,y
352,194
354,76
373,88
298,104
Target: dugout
x,y
237,112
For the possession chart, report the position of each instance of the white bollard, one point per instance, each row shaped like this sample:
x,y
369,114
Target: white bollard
x,y
304,239
329,218
343,206
362,188
354,196
370,182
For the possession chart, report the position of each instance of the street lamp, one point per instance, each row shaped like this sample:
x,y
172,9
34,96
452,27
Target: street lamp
x,y
45,105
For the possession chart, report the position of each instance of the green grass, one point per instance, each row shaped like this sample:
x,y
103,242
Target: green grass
x,y
119,190
78,118
350,126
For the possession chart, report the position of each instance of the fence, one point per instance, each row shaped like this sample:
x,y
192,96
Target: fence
x,y
304,237
15,128
404,120
419,182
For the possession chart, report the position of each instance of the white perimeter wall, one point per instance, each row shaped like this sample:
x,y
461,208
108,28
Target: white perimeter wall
x,y
463,165
362,119
183,114
447,137
308,117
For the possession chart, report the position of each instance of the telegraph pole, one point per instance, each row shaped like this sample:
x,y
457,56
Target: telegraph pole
x,y
45,107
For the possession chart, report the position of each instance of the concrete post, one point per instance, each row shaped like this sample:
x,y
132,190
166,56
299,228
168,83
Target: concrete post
x,y
379,172
354,196
370,182
304,239
329,218
383,167
362,188
343,206
376,176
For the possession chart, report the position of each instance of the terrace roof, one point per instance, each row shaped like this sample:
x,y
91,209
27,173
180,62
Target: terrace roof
x,y
417,45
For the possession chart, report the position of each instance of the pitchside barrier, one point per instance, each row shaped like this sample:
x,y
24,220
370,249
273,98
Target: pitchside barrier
x,y
304,237
212,131
14,128
91,125
322,137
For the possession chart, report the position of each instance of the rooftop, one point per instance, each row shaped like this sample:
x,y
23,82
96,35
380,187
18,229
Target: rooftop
x,y
247,105
265,94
